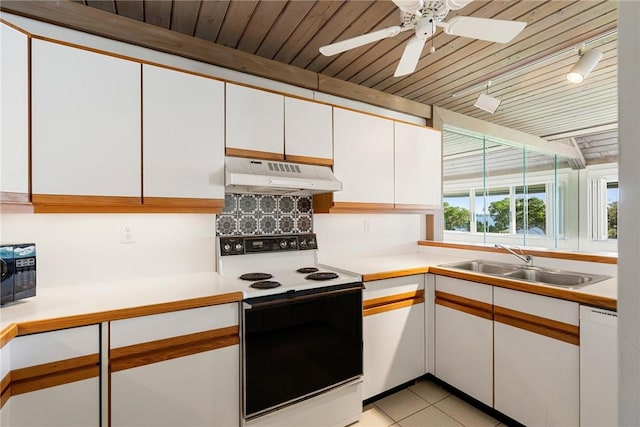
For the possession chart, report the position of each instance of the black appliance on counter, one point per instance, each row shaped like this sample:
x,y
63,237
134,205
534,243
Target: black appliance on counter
x,y
18,272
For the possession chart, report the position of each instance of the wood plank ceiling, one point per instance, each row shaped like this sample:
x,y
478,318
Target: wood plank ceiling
x,y
528,74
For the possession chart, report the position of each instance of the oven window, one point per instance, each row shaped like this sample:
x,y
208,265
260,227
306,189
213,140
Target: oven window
x,y
298,348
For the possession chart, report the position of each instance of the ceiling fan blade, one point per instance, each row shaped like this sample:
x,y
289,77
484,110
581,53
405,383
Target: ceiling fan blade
x,y
410,56
408,5
493,30
341,46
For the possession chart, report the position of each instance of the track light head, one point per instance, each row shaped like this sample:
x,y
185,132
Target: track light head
x,y
487,103
587,62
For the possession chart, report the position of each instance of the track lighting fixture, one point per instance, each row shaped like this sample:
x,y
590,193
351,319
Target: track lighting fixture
x,y
486,102
587,62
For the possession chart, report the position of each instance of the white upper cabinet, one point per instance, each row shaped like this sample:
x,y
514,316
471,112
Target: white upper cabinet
x,y
14,111
255,121
183,135
418,166
85,122
363,157
308,131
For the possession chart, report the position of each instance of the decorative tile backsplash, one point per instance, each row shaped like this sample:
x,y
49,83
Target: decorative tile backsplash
x,y
255,214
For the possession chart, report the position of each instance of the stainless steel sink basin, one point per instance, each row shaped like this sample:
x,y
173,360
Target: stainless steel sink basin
x,y
565,279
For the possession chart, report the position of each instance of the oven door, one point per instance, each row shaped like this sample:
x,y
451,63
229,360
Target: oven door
x,y
297,345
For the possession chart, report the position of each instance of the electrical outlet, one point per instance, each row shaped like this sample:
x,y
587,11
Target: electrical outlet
x,y
126,233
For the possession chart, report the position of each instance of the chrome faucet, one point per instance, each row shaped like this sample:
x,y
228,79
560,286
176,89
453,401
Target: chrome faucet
x,y
528,259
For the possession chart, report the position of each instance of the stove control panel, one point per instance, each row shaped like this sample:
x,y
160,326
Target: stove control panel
x,y
240,245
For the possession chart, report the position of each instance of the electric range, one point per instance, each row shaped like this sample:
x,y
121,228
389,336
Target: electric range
x,y
268,265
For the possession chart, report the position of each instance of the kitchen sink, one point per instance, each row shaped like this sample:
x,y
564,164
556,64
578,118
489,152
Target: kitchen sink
x,y
561,278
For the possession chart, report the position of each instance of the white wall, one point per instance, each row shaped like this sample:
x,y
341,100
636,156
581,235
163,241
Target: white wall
x,y
629,215
86,248
342,235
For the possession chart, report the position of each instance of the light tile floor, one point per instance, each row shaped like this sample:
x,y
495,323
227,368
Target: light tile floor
x,y
424,404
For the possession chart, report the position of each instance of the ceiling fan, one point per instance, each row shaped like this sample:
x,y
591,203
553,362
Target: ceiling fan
x,y
423,17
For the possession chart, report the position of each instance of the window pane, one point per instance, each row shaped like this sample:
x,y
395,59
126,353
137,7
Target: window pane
x,y
531,205
496,208
457,212
612,209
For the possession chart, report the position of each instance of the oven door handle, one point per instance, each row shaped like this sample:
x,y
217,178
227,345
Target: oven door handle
x,y
287,300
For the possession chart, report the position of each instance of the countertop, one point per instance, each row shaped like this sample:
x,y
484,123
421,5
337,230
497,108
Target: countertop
x,y
600,294
68,306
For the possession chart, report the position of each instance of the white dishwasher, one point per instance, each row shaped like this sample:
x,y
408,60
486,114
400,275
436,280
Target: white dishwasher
x,y
598,367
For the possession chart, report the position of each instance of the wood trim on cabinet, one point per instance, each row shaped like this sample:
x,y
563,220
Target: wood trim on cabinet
x,y
392,302
532,288
13,197
5,389
7,334
319,161
466,305
170,348
573,256
53,324
52,374
253,154
15,27
74,200
395,273
184,202
421,208
538,325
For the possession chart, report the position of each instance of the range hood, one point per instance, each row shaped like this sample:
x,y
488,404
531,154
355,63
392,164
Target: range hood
x,y
272,177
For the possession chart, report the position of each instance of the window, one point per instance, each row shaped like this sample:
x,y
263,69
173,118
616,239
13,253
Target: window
x,y
457,212
612,210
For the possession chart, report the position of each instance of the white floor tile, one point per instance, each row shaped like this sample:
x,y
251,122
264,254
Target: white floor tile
x,y
464,413
429,391
401,404
373,417
429,417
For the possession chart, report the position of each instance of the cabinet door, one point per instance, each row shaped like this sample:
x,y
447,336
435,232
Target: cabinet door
x,y
59,379
14,111
85,122
394,333
255,122
179,368
363,157
536,358
464,337
308,131
418,166
183,138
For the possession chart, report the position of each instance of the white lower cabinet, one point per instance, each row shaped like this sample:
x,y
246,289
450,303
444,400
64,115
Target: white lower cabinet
x,y
178,368
54,379
394,333
464,336
536,358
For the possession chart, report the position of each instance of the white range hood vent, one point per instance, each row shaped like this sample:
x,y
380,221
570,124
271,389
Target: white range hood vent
x,y
271,177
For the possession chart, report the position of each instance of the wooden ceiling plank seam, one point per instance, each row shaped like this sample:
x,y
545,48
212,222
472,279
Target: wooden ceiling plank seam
x,y
349,12
133,9
293,14
184,16
565,123
488,67
210,18
370,20
304,34
262,20
357,71
238,15
384,77
493,64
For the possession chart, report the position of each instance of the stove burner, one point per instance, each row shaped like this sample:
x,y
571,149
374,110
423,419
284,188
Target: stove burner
x,y
324,275
307,270
266,284
256,276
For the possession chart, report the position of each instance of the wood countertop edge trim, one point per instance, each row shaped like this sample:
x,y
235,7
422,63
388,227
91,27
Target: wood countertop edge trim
x,y
517,285
370,277
573,256
52,324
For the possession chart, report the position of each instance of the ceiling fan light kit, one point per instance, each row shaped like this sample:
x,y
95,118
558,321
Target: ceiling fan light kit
x,y
587,62
424,17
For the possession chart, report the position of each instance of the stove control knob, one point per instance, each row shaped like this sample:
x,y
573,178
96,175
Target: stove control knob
x,y
283,244
238,246
293,244
303,243
226,247
312,243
